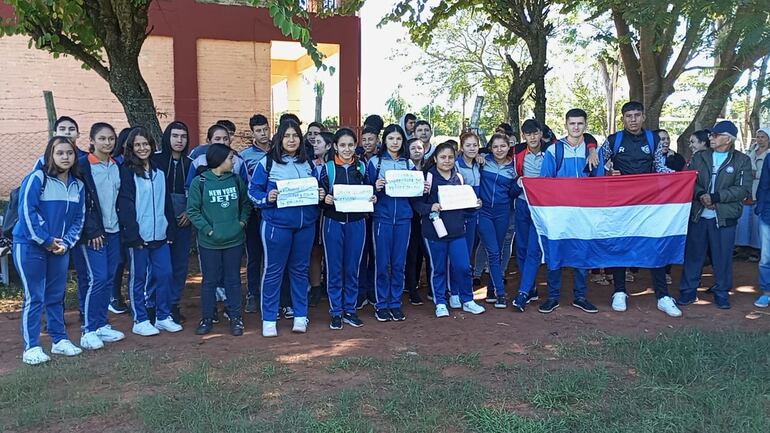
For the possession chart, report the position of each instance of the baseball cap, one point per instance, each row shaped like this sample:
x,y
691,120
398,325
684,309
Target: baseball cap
x,y
724,127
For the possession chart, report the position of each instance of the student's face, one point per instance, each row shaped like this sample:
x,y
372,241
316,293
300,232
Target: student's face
x,y
369,143
393,142
499,149
178,140
67,129
445,160
423,133
416,150
63,156
227,164
346,147
104,141
665,140
696,145
410,125
633,120
762,139
142,148
313,132
221,136
576,126
470,147
533,139
319,146
290,141
261,134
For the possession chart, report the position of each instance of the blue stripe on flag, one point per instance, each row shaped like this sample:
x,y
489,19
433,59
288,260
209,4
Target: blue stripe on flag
x,y
642,252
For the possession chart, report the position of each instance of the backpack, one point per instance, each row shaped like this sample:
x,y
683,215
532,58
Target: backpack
x,y
560,154
11,216
619,139
331,172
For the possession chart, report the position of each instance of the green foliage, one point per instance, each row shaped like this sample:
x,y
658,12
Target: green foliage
x,y
397,106
443,121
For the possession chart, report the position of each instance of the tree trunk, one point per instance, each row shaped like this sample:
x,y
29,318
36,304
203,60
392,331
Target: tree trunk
x,y
128,85
756,110
515,97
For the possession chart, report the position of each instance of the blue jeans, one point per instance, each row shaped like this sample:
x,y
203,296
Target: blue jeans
x,y
221,265
764,259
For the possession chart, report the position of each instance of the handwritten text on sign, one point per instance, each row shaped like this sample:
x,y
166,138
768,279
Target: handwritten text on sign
x,y
353,198
456,197
297,192
404,183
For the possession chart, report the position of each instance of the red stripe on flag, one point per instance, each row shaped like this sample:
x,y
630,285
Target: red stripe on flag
x,y
611,191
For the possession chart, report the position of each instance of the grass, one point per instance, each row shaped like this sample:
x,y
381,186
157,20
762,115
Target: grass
x,y
687,381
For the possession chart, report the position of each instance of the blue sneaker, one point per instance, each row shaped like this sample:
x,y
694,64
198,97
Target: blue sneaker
x,y
763,301
521,301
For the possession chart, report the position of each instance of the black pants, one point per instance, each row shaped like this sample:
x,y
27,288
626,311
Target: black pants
x,y
658,281
415,254
221,265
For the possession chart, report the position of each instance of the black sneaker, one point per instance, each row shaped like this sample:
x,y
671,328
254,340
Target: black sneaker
x,y
722,302
336,323
204,327
176,315
397,315
584,305
360,304
382,315
500,302
315,296
236,327
117,306
491,298
215,316
429,296
251,304
533,297
151,314
415,298
548,306
520,303
288,313
352,320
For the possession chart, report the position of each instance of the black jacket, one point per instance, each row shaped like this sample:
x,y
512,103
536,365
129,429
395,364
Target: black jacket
x,y
350,175
454,220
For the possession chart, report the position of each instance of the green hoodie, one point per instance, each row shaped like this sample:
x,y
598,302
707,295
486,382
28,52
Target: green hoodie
x,y
217,205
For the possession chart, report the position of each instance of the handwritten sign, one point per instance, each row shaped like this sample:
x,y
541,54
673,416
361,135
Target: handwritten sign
x,y
297,192
353,198
452,197
404,183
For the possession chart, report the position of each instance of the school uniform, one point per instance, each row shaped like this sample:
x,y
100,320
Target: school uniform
x,y
287,236
343,238
48,209
391,227
528,253
251,156
146,218
471,176
96,269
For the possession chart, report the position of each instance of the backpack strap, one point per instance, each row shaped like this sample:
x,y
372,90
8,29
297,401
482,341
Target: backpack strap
x,y
331,173
200,183
650,142
616,144
559,156
361,168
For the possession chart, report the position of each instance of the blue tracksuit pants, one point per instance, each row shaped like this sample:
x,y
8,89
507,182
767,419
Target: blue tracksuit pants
x,y
528,254
285,249
554,283
700,236
493,227
366,272
221,265
150,278
253,254
343,249
180,259
44,279
451,255
390,244
96,276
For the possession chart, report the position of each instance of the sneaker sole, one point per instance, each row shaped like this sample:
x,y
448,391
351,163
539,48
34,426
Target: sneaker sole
x,y
84,347
441,316
299,331
548,311
670,315
355,325
145,335
586,310
334,328
474,312
517,308
761,305
114,311
501,306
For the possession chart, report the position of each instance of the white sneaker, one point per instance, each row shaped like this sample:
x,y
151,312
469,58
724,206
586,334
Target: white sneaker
x,y
268,329
145,329
619,301
66,348
300,325
441,311
454,301
168,324
473,308
91,341
109,335
34,356
668,306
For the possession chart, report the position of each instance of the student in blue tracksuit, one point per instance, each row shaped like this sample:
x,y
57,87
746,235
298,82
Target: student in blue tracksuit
x,y
97,255
51,207
498,190
390,226
146,218
568,158
469,166
343,233
370,138
287,232
447,254
173,161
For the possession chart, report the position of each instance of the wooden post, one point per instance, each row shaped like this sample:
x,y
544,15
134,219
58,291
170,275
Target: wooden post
x,y
50,111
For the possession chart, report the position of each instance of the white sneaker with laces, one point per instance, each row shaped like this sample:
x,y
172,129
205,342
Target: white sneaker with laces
x,y
109,335
34,356
168,324
441,311
145,329
300,325
454,301
66,348
619,301
269,329
668,306
91,341
473,308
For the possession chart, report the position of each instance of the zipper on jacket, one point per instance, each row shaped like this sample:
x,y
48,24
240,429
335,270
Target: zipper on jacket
x,y
152,188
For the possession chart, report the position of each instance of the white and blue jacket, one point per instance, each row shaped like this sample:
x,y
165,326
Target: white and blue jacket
x,y
498,186
573,161
145,211
53,211
251,157
390,210
263,181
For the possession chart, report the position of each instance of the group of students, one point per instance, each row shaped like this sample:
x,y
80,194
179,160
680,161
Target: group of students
x,y
128,203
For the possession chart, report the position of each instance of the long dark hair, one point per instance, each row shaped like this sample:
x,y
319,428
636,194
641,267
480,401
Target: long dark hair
x,y
48,165
431,162
131,160
120,143
276,150
95,128
404,151
343,132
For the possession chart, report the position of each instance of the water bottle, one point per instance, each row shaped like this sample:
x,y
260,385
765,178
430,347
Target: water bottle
x,y
438,224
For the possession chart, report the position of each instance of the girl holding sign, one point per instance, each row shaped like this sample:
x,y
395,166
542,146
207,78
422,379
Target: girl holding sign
x,y
390,228
287,231
444,234
343,233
